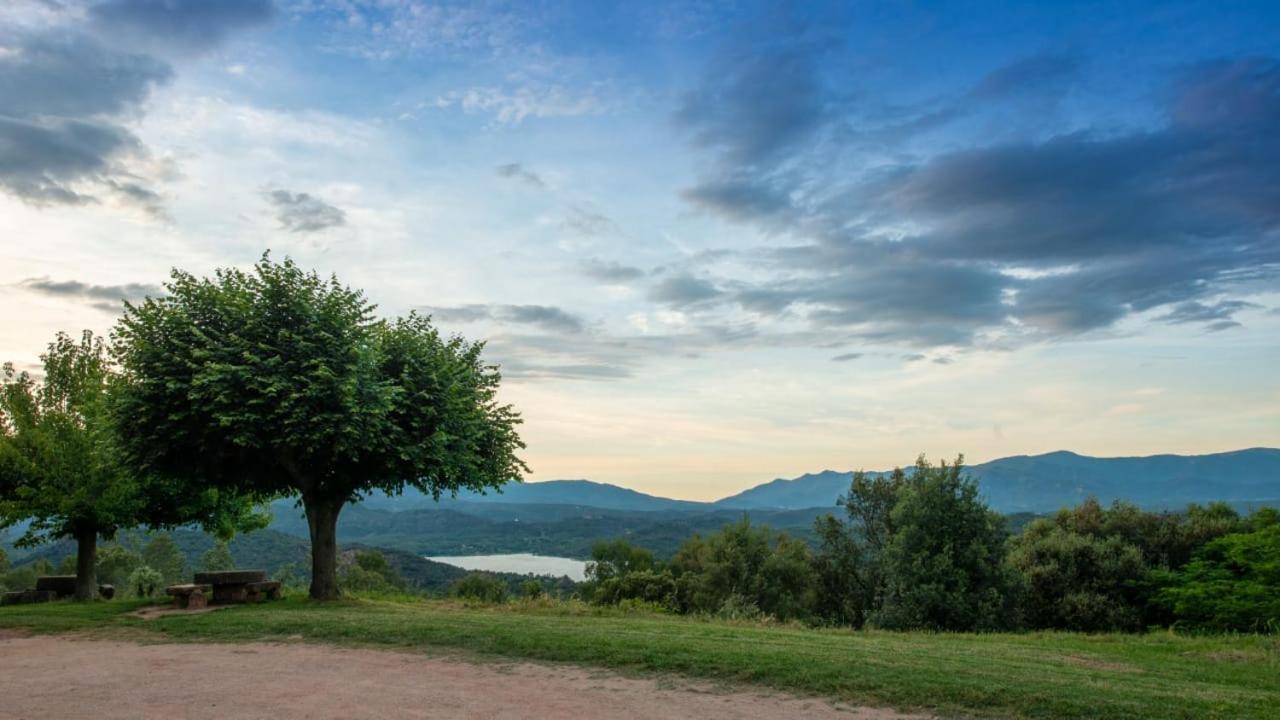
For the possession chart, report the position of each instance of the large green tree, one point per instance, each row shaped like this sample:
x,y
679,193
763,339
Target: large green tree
x,y
276,382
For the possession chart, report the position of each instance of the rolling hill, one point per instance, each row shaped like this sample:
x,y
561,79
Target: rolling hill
x,y
1042,483
1023,483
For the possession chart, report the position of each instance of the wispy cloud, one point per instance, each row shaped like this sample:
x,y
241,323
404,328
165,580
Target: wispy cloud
x,y
103,297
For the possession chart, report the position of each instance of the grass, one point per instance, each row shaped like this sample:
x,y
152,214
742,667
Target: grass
x,y
1034,675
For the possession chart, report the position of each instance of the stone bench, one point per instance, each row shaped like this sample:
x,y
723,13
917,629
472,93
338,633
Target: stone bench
x,y
231,586
190,597
65,586
22,597
265,590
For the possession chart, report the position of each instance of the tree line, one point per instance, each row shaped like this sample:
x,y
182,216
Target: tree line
x,y
918,549
227,392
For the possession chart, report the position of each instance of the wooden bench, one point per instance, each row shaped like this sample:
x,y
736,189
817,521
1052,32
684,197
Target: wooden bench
x,y
191,596
265,590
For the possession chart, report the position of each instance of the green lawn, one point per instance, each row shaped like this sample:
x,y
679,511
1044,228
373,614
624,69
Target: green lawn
x,y
1160,675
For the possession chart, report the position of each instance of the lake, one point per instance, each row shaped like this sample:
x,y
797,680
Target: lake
x,y
522,563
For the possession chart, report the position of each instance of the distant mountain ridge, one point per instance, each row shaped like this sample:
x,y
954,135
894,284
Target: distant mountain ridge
x,y
1041,483
1022,483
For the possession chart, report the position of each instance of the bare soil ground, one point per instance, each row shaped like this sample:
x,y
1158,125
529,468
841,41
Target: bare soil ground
x,y
60,677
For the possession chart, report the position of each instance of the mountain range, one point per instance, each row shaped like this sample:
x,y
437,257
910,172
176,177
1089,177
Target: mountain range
x,y
1023,483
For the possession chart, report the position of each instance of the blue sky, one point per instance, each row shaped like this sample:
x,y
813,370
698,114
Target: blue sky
x,y
709,243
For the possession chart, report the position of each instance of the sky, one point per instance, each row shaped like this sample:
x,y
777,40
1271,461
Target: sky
x,y
709,244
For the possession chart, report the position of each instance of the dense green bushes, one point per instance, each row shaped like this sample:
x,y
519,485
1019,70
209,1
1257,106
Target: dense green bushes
x,y
1232,583
479,586
919,549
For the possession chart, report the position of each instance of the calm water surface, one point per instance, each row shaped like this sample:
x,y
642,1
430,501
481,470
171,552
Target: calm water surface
x,y
524,563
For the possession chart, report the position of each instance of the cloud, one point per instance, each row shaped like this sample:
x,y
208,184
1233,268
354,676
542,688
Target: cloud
x,y
610,273
1198,312
517,171
846,357
548,318
70,84
589,222
514,105
683,290
1006,240
58,141
103,297
1030,74
179,25
301,212
758,100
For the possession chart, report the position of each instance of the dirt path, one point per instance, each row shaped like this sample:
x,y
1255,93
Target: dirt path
x,y
49,677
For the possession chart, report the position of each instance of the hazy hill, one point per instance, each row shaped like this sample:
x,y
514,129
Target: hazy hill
x,y
584,493
1039,483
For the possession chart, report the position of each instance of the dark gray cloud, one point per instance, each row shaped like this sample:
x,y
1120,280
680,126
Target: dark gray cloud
x,y
1026,238
516,171
548,318
683,290
54,76
66,92
180,25
304,213
610,273
59,143
758,101
103,297
846,357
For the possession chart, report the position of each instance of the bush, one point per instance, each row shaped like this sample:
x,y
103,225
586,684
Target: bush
x,y
654,587
218,558
368,571
615,558
771,571
145,581
479,586
1080,582
115,564
532,589
1232,584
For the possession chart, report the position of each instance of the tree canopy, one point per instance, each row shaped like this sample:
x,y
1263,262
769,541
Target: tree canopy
x,y
277,382
58,468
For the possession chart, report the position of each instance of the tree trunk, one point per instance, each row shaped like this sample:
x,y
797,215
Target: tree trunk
x,y
86,565
322,519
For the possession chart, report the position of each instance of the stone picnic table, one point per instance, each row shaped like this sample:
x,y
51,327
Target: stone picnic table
x,y
224,587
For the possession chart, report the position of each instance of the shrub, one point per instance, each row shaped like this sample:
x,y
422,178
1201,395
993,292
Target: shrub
x,y
770,570
368,571
115,564
655,587
1079,582
532,589
1232,584
479,586
145,581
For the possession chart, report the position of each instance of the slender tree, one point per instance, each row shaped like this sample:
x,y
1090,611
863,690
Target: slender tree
x,y
277,382
56,467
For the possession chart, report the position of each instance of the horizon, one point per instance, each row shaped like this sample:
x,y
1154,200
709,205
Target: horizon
x,y
709,248
967,465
